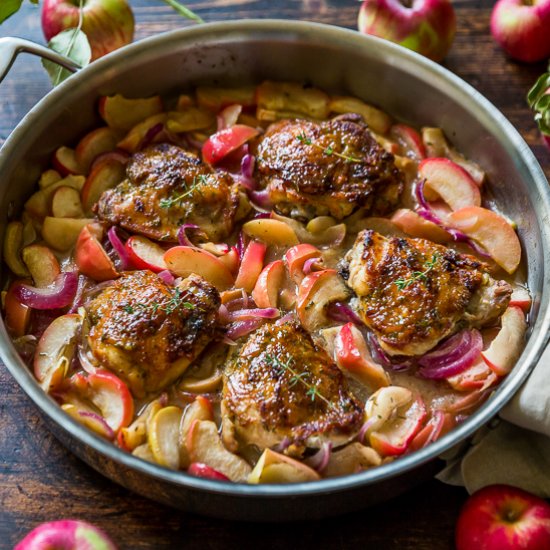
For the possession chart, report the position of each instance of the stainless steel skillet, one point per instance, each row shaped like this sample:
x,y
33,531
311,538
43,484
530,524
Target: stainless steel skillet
x,y
404,84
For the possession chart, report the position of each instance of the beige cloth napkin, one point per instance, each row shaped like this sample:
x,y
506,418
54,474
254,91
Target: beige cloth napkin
x,y
515,449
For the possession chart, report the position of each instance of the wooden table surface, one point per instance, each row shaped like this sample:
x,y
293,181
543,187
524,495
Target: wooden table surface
x,y
40,481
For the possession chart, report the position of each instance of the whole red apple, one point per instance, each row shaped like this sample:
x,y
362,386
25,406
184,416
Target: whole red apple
x,y
425,26
108,24
522,28
501,517
66,534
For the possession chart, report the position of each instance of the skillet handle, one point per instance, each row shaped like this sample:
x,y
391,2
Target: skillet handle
x,y
10,47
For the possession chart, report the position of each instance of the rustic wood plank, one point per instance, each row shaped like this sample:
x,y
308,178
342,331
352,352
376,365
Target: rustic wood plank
x,y
41,481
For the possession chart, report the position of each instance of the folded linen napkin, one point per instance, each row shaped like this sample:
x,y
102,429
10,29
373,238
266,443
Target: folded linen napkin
x,y
514,449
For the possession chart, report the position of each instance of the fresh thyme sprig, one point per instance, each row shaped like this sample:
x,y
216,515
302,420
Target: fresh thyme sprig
x,y
401,283
169,306
197,181
329,151
298,377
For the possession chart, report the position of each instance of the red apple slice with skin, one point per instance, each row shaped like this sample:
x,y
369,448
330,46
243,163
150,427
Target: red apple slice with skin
x,y
450,182
220,144
384,403
477,376
122,113
94,143
112,397
145,254
266,291
198,469
200,409
297,256
104,175
353,357
251,266
440,424
90,419
90,256
315,292
410,141
231,260
16,315
66,203
416,226
13,240
274,467
505,349
163,436
42,264
55,351
491,231
521,298
393,437
64,161
205,446
185,260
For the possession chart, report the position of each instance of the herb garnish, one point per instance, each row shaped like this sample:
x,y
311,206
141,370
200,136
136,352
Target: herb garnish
x,y
401,283
329,151
169,306
312,389
197,181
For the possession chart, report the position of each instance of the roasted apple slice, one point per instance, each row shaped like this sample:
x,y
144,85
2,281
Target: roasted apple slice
x,y
505,349
479,375
94,143
189,120
316,291
134,435
214,98
198,469
185,260
271,231
492,232
297,256
273,467
122,113
200,409
145,254
106,174
48,177
90,256
439,424
142,132
416,226
163,436
42,264
251,266
376,119
351,459
353,357
220,144
268,285
66,203
450,182
205,446
409,140
62,233
17,315
521,298
13,240
90,419
55,351
65,162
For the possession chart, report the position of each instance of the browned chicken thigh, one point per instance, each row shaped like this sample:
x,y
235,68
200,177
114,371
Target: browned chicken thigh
x,y
326,168
281,387
412,293
149,333
166,187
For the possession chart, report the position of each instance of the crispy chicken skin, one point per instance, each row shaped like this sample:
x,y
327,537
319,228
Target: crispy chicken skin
x,y
266,400
298,162
412,293
149,333
165,187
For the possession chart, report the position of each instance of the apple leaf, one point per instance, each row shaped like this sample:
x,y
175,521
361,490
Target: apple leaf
x,y
71,43
8,8
184,11
539,101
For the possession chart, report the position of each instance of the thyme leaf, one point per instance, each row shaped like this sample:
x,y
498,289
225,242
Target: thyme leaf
x,y
176,301
328,151
197,182
402,284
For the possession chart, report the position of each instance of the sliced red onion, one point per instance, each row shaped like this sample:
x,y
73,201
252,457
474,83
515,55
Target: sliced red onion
x,y
85,360
283,445
378,354
167,277
260,200
83,283
455,356
247,166
365,428
59,294
242,328
118,246
240,303
313,264
241,245
151,134
286,318
102,423
248,314
320,459
183,239
262,216
92,291
223,314
342,312
438,420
